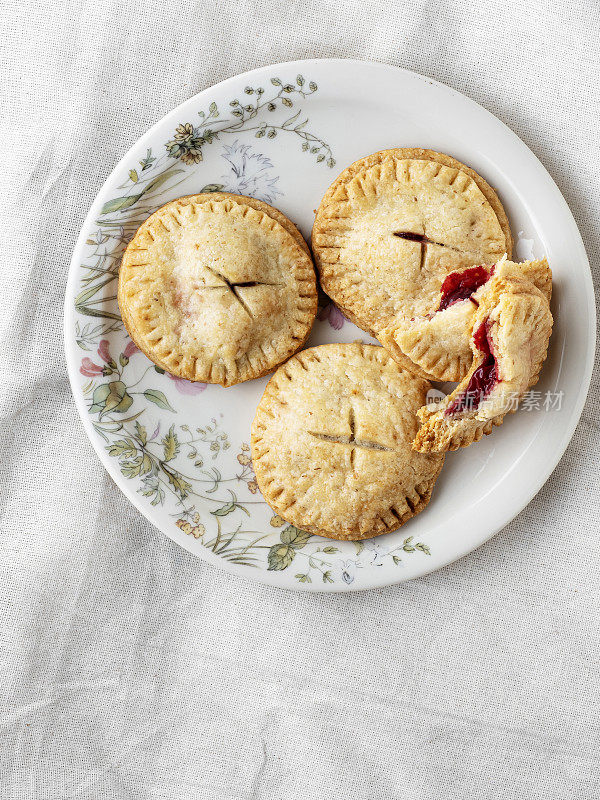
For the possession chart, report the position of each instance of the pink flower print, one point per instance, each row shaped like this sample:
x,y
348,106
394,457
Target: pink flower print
x,y
333,315
89,369
187,387
131,349
103,351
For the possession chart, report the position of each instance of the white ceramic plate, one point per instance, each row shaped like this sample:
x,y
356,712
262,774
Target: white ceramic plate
x,y
179,451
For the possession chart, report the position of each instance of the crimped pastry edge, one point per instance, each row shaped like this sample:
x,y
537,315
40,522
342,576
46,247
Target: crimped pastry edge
x,y
261,466
288,229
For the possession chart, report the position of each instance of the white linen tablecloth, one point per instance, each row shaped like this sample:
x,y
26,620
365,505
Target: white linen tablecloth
x,y
130,669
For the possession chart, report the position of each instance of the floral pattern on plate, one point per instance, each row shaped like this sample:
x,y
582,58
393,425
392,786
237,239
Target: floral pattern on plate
x,y
182,467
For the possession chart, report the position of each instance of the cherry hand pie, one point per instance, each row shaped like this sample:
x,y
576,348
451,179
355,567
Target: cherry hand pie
x,y
437,344
395,224
510,332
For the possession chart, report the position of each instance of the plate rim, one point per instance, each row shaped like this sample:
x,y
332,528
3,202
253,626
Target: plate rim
x,y
273,578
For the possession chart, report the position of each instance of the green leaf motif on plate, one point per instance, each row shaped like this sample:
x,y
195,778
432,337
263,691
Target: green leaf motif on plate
x,y
280,556
151,488
123,447
140,465
111,397
294,537
170,444
224,510
141,433
158,398
120,203
126,201
163,178
178,482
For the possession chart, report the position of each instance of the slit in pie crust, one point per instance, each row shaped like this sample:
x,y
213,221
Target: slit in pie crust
x,y
395,224
331,442
217,288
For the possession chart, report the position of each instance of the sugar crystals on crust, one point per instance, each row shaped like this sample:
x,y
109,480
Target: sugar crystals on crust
x,y
394,224
331,442
217,289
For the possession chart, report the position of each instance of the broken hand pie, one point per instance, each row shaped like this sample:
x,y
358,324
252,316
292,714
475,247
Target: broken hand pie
x,y
217,288
510,334
331,442
437,345
395,224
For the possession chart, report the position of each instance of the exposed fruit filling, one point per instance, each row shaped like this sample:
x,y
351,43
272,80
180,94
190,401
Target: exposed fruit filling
x,y
483,380
461,285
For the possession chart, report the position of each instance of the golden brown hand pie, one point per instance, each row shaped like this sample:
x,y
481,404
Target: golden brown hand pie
x,y
331,442
510,334
394,224
217,288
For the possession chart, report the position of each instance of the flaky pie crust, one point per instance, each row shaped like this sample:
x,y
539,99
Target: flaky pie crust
x,y
437,345
520,325
331,442
217,288
367,261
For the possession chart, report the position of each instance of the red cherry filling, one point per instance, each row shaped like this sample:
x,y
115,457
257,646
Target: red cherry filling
x,y
461,285
484,378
